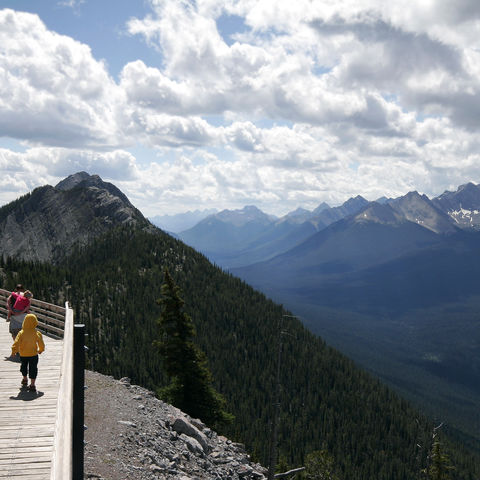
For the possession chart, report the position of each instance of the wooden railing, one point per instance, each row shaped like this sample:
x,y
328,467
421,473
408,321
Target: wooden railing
x,y
56,321
62,446
51,318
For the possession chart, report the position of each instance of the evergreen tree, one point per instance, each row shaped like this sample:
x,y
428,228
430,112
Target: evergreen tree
x,y
191,387
319,466
440,467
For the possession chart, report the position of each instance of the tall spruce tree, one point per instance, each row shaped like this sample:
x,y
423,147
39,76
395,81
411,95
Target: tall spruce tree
x,y
191,387
440,469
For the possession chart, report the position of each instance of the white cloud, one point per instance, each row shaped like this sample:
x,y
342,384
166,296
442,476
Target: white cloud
x,y
42,165
52,90
71,3
245,136
310,101
150,88
174,131
282,69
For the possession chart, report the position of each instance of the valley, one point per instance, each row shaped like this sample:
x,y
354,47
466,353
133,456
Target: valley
x,y
394,286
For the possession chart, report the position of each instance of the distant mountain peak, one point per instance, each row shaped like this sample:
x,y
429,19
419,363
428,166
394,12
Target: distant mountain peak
x,y
299,212
181,221
383,200
463,205
73,180
353,205
355,201
414,194
249,209
239,217
323,206
418,208
467,186
378,213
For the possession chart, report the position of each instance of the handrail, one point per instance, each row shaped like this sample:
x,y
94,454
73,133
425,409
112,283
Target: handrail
x,y
51,318
62,447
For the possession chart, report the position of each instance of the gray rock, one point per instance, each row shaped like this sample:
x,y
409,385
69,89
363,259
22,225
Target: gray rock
x,y
192,444
128,423
244,470
165,444
181,425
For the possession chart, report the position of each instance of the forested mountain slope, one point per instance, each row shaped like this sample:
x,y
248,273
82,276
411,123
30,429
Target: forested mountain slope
x,y
326,402
399,299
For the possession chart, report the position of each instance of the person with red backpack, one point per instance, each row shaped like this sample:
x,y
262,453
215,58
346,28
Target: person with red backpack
x,y
12,298
18,305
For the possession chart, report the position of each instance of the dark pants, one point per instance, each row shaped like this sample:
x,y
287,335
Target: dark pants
x,y
29,365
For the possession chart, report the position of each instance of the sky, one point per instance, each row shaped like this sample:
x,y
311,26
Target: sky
x,y
281,104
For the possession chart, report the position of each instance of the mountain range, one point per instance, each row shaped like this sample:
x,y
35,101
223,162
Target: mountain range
x,y
241,237
393,284
110,268
236,238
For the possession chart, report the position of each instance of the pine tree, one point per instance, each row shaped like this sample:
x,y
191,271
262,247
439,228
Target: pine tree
x,y
440,468
191,387
438,462
319,466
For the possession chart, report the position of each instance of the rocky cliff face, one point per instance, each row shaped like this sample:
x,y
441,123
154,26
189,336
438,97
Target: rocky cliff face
x,y
463,205
131,434
46,224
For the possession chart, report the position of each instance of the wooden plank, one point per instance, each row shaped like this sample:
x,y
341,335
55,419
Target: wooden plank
x,y
38,473
26,451
27,419
50,328
24,442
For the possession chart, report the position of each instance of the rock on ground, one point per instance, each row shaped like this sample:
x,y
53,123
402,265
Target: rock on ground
x,y
131,435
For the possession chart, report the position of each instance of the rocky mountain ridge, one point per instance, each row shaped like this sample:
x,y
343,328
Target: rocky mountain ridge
x,y
47,223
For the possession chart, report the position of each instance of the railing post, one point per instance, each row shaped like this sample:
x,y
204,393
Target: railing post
x,y
78,401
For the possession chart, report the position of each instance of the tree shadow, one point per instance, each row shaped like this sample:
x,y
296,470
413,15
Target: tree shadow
x,y
26,395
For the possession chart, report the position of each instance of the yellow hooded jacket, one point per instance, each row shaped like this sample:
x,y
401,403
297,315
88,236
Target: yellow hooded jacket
x,y
29,342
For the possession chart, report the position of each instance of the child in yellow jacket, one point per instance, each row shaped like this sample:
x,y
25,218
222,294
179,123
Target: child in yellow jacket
x,y
29,343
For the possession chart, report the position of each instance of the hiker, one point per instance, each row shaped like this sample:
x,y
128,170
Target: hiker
x,y
29,343
20,308
12,298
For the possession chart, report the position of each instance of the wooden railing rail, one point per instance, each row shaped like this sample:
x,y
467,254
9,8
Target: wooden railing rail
x,y
62,446
51,318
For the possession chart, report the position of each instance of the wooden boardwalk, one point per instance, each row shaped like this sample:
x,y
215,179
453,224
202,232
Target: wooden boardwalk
x,y
27,419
